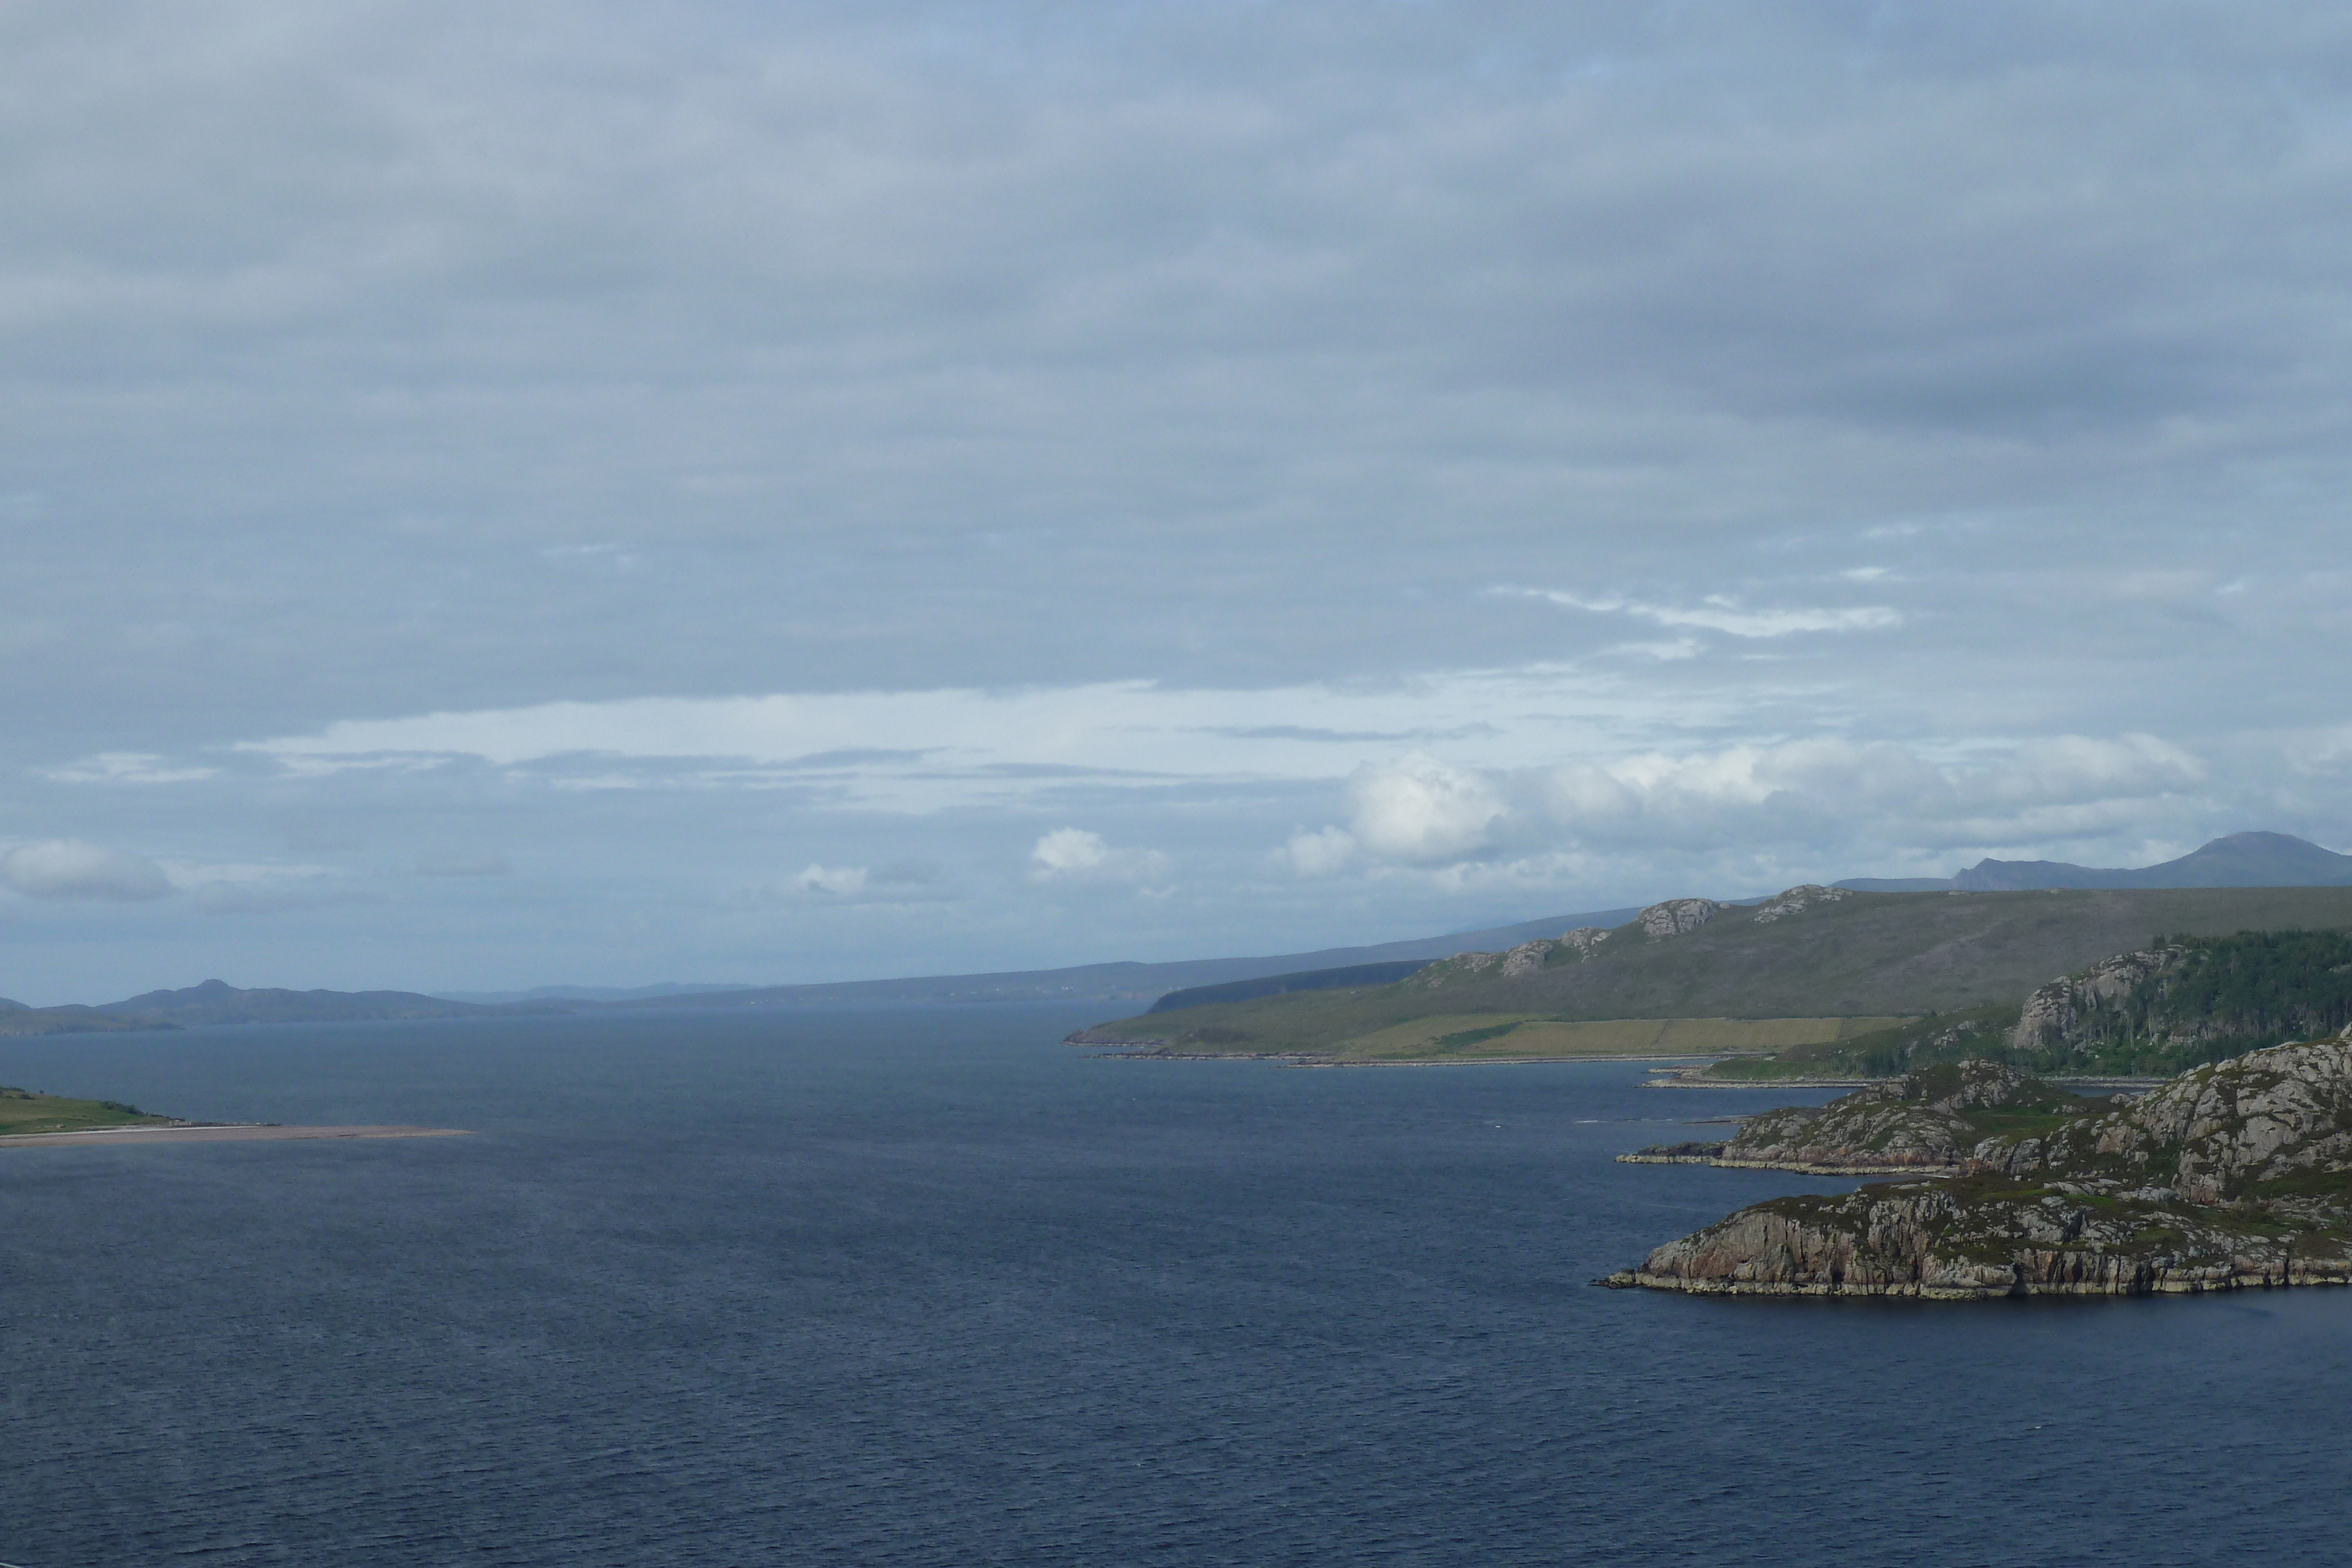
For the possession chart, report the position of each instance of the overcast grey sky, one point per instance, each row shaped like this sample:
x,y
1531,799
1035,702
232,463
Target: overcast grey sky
x,y
608,493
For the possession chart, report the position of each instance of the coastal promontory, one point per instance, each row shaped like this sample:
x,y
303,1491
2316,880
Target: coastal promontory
x,y
2234,1174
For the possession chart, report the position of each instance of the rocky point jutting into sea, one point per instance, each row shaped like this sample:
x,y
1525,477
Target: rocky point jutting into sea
x,y
2234,1174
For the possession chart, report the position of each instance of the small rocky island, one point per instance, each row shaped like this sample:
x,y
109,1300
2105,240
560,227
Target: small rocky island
x,y
2234,1174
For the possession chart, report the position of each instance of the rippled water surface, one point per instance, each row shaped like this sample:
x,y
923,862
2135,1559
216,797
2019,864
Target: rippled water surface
x,y
927,1287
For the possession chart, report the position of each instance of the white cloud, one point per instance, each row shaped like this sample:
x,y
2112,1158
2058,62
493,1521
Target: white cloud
x,y
818,884
1719,612
126,768
837,881
924,751
1820,800
1825,788
927,749
1077,855
70,868
2077,768
1419,810
1325,853
1678,648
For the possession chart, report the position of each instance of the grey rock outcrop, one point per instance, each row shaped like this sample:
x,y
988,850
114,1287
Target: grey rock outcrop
x,y
1523,959
1671,918
1942,1242
2053,1013
1527,957
2231,1175
2215,1133
1677,915
1931,1120
1797,900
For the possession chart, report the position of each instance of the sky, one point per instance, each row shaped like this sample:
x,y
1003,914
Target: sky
x,y
606,494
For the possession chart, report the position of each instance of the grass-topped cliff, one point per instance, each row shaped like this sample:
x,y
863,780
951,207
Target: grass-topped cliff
x,y
1848,968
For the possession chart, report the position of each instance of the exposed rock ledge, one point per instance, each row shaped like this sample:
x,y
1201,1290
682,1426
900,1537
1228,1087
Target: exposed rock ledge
x,y
2232,1176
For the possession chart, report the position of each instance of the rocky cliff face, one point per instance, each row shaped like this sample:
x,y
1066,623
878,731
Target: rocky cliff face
x,y
2235,1173
2055,1015
2180,1003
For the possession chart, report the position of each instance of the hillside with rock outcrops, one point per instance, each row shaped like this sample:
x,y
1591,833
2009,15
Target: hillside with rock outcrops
x,y
2156,1009
1810,952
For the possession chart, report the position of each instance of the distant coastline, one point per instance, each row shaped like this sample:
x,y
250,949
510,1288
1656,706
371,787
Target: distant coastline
x,y
216,1133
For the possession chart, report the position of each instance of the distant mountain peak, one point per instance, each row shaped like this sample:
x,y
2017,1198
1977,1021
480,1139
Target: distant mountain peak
x,y
2254,859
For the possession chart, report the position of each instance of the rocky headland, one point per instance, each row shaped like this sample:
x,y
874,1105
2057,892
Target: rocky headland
x,y
2234,1174
1930,1122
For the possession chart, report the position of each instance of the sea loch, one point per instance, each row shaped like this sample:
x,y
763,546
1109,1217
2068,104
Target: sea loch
x,y
927,1287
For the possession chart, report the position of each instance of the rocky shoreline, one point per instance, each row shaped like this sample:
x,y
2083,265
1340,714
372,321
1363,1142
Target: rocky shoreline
x,y
2233,1175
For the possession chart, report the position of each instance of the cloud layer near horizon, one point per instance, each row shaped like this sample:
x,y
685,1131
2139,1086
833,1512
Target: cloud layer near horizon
x,y
709,491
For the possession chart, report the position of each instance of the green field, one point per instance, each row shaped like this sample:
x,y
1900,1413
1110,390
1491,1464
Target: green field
x,y
22,1111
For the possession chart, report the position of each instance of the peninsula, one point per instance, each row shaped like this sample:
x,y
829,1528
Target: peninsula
x,y
32,1120
2233,1174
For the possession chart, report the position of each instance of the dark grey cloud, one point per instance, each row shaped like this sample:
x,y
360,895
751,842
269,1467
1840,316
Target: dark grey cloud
x,y
1970,381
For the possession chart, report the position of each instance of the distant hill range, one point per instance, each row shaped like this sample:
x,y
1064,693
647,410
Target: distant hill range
x,y
218,1002
666,990
2240,859
1128,982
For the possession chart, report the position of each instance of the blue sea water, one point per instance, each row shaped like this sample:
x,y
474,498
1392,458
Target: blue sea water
x,y
927,1287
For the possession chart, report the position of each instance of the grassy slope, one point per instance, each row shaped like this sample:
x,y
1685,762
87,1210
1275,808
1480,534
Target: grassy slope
x,y
22,1111
1476,1037
1875,953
